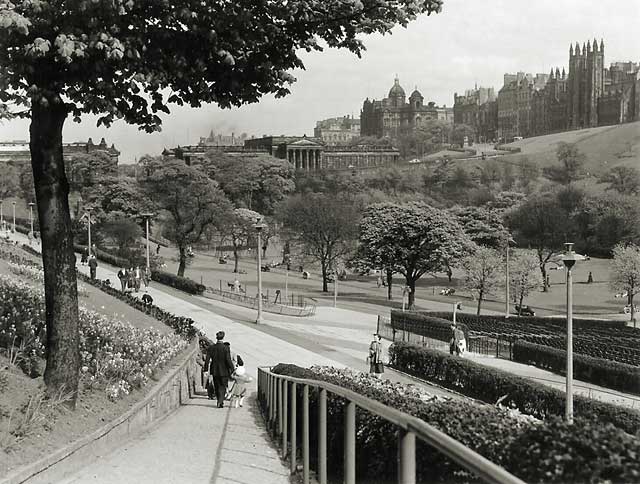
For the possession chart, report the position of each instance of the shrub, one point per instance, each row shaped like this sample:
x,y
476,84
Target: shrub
x,y
535,451
586,451
182,283
483,428
610,374
491,384
107,257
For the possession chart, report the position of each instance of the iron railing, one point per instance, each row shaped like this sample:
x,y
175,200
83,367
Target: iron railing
x,y
277,395
252,302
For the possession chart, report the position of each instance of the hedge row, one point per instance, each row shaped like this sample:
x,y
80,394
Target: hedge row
x,y
550,451
106,257
610,374
491,384
181,325
183,283
527,320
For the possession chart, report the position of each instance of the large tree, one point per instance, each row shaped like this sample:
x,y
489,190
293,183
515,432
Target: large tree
x,y
323,226
9,182
412,239
190,199
130,60
542,224
623,179
239,226
484,226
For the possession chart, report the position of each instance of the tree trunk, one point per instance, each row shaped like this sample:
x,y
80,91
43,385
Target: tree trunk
x,y
543,270
412,293
58,258
389,284
236,257
325,286
633,314
480,296
183,261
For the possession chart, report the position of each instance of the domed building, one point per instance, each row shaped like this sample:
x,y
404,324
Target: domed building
x,y
393,115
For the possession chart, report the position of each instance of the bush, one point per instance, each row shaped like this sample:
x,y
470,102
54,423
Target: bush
x,y
483,428
525,321
182,283
107,257
535,451
610,374
491,384
585,451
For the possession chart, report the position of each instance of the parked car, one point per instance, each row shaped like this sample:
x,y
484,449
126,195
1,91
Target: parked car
x,y
524,310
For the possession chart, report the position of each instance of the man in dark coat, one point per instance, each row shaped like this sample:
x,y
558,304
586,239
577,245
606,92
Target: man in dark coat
x,y
220,366
93,264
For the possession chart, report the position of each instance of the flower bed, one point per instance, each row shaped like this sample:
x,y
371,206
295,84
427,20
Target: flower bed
x,y
114,353
490,385
547,451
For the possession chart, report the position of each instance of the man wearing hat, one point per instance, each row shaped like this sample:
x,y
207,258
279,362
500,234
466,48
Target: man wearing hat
x,y
376,367
220,366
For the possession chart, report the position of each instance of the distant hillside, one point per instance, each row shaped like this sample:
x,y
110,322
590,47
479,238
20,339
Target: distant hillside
x,y
604,147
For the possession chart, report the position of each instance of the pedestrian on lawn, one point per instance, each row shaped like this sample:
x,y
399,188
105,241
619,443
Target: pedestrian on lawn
x,y
376,366
122,275
218,362
93,267
157,249
379,281
590,278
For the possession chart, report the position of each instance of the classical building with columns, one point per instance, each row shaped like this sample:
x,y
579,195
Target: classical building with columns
x,y
312,154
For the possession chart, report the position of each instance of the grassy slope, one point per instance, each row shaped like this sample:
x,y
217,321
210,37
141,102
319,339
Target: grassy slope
x,y
604,147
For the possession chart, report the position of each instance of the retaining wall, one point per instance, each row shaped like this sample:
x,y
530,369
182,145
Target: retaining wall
x,y
174,389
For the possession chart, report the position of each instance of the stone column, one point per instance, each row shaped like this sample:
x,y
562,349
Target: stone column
x,y
297,158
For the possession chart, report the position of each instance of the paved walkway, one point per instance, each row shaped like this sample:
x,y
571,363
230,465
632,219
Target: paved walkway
x,y
202,444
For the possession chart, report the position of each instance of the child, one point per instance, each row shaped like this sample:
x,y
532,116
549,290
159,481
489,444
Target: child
x,y
241,379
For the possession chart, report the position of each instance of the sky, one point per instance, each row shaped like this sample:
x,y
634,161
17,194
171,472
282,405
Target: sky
x,y
469,42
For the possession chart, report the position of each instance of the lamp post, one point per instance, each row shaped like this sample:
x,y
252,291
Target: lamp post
x,y
506,283
147,216
1,216
14,217
569,259
335,288
31,204
259,226
89,229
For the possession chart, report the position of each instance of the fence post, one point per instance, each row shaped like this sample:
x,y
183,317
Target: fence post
x,y
350,444
305,434
279,407
285,414
294,424
269,404
406,457
322,436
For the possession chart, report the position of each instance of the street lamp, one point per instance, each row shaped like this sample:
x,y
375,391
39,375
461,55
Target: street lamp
x,y
89,229
569,259
259,226
14,217
147,216
31,204
1,216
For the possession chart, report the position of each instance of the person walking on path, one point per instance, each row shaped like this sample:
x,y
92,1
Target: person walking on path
x,y
376,366
220,366
93,266
84,256
203,347
138,278
146,277
131,280
590,278
239,389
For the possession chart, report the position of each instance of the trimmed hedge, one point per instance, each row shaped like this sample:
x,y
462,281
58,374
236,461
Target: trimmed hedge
x,y
183,283
483,428
491,384
537,452
106,257
526,320
610,374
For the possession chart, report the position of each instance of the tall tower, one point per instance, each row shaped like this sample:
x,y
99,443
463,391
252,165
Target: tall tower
x,y
594,83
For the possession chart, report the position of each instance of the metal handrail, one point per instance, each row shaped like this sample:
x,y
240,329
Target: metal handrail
x,y
306,310
274,393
